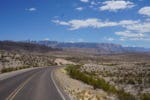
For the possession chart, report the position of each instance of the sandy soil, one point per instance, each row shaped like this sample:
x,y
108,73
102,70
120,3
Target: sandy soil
x,y
60,61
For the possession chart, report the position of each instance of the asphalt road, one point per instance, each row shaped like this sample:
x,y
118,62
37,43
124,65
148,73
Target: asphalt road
x,y
36,84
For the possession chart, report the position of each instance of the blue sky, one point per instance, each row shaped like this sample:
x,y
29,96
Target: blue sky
x,y
125,22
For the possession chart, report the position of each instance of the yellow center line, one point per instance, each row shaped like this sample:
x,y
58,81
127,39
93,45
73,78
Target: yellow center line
x,y
16,91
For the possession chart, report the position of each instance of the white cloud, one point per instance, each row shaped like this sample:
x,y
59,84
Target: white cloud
x,y
60,22
129,34
76,24
31,9
145,11
134,29
85,1
140,27
79,8
114,5
128,22
93,22
110,39
122,39
46,39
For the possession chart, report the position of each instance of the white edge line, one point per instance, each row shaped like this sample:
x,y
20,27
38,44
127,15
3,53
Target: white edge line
x,y
59,91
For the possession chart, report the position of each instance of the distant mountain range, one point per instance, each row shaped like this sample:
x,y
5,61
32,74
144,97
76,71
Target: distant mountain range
x,y
106,48
80,47
25,46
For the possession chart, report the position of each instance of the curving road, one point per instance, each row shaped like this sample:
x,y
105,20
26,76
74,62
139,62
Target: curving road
x,y
35,84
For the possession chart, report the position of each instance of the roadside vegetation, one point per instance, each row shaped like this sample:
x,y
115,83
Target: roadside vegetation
x,y
10,69
145,96
11,61
97,83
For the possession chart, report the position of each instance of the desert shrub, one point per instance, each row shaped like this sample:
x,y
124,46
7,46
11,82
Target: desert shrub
x,y
131,81
74,72
145,96
4,70
122,95
8,69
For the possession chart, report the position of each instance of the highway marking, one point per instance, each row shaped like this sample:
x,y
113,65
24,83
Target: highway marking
x,y
16,91
59,91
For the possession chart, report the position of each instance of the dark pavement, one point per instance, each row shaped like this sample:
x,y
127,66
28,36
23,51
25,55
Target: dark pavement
x,y
32,85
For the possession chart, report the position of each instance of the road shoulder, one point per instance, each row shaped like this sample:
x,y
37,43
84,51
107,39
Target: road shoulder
x,y
77,90
58,85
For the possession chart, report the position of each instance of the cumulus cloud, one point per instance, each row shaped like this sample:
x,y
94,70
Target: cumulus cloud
x,y
114,5
128,22
92,22
46,39
31,9
60,22
131,35
134,29
109,38
79,8
145,11
85,1
140,27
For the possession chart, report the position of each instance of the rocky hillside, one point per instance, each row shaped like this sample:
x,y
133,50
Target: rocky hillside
x,y
20,55
12,59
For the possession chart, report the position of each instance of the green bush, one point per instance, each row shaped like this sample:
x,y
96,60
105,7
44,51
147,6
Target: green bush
x,y
4,70
145,96
74,72
7,69
122,95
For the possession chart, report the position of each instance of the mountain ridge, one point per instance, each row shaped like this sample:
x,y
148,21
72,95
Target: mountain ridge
x,y
81,47
25,46
108,47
